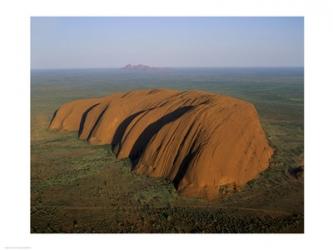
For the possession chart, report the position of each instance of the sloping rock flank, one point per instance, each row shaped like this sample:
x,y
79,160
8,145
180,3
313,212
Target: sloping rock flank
x,y
202,142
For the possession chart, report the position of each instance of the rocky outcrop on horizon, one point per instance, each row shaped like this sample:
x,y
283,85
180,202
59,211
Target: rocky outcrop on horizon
x,y
140,67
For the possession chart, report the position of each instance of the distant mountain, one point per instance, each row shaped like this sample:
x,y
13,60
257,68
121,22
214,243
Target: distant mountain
x,y
138,67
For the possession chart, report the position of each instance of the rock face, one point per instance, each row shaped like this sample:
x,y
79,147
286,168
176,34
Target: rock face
x,y
204,143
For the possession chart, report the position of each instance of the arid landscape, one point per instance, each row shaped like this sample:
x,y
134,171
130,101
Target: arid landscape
x,y
155,150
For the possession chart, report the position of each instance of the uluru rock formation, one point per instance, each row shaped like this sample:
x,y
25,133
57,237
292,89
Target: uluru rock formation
x,y
202,142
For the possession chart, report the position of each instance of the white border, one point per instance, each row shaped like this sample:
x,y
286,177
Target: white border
x,y
15,121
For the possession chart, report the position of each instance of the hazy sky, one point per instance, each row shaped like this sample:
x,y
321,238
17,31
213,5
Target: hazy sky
x,y
90,42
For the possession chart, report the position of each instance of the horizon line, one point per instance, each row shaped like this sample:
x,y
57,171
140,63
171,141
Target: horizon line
x,y
171,67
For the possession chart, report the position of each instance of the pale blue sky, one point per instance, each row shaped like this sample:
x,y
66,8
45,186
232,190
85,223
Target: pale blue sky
x,y
93,42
